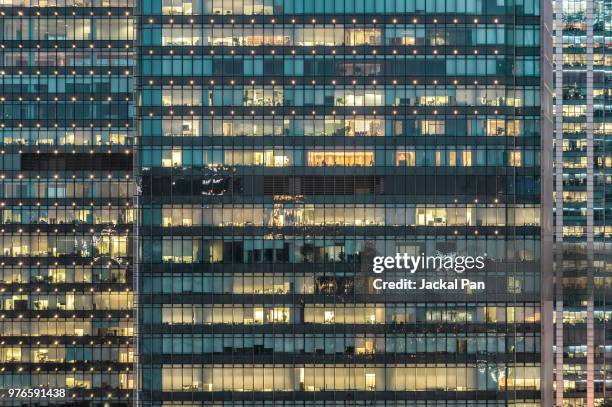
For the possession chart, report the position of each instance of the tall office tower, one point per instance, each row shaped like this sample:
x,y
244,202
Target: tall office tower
x,y
583,205
65,202
283,146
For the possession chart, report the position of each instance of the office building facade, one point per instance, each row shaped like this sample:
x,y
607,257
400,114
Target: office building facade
x,y
583,178
282,145
66,131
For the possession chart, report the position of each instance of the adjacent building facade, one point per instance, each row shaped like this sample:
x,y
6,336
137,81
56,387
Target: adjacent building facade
x,y
66,216
583,209
282,145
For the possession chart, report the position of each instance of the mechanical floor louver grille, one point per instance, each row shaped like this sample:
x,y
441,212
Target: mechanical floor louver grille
x,y
76,162
323,185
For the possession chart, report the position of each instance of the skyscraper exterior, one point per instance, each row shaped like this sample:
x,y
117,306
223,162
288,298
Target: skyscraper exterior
x,y
284,145
583,209
66,81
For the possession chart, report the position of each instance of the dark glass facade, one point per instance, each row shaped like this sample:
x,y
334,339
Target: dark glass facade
x,y
283,144
66,81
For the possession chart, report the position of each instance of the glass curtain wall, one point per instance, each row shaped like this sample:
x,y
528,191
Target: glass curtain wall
x,y
66,217
283,144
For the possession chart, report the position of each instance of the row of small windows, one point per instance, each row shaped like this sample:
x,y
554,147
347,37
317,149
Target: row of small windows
x,y
580,317
66,29
67,327
577,212
59,244
335,126
346,65
579,113
77,380
570,196
61,137
352,344
44,61
336,35
63,188
69,354
59,215
49,275
581,231
341,96
241,378
580,60
317,249
599,127
339,283
67,3
66,301
582,162
307,283
277,7
575,93
338,314
451,157
42,85
66,111
347,214
460,65
353,96
280,215
352,126
575,40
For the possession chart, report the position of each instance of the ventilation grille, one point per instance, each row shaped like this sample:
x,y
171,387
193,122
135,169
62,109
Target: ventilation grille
x,y
76,162
323,185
